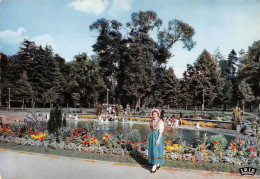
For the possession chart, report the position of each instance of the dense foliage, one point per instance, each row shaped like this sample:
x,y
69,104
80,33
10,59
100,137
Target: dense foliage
x,y
130,65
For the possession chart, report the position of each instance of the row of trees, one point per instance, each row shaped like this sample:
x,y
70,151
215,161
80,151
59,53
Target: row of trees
x,y
132,65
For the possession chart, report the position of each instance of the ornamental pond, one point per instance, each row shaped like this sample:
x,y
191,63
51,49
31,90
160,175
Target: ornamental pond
x,y
138,131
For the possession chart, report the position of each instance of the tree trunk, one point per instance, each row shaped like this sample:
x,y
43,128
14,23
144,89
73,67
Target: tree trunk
x,y
138,103
143,103
23,103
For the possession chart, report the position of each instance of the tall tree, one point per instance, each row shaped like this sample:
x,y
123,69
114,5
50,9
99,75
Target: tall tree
x,y
170,88
205,79
24,89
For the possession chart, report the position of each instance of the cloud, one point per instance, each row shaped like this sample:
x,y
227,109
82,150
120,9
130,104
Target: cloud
x,y
10,37
95,7
45,39
119,6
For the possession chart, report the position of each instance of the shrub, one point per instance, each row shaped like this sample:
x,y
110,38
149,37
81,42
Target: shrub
x,y
55,120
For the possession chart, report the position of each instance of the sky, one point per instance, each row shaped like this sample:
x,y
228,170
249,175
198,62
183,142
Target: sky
x,y
64,24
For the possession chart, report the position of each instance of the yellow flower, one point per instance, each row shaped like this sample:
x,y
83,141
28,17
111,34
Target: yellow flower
x,y
175,145
168,148
175,148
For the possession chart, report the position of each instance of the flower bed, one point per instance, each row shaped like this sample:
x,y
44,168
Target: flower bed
x,y
213,150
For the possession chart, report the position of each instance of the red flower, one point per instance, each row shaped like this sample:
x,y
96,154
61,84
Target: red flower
x,y
70,136
86,135
85,142
17,135
253,155
137,146
130,143
141,142
94,138
74,131
239,143
119,142
38,132
34,133
3,128
42,138
69,139
234,147
50,135
40,115
106,137
29,131
76,134
251,148
23,134
51,138
59,133
216,143
19,129
6,129
144,143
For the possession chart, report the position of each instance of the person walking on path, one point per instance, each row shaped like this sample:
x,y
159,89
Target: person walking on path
x,y
156,146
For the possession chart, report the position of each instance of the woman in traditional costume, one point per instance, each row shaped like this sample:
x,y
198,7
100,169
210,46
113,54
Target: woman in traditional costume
x,y
156,146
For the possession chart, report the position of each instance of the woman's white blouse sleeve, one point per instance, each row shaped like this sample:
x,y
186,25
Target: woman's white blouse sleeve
x,y
161,126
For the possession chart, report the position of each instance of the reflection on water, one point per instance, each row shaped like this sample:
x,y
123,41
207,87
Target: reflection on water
x,y
178,135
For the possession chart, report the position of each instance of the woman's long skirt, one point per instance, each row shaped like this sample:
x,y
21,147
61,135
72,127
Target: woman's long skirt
x,y
155,153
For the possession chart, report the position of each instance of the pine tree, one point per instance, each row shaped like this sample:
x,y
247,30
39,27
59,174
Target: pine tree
x,y
23,88
206,79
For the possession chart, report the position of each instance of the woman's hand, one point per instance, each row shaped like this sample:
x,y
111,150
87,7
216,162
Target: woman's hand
x,y
157,143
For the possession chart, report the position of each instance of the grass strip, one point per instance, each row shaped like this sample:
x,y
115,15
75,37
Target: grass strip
x,y
206,166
